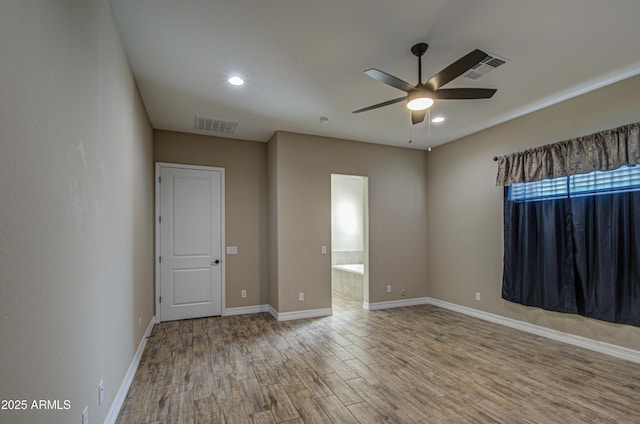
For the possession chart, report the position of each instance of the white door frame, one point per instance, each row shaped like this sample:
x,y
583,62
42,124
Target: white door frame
x,y
222,232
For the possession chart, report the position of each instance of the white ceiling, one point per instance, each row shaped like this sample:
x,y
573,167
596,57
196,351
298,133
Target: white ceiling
x,y
304,59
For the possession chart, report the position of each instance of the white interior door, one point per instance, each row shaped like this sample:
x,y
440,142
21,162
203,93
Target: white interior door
x,y
190,241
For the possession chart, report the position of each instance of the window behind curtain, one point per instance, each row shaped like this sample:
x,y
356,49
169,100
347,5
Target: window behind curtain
x,y
572,244
626,178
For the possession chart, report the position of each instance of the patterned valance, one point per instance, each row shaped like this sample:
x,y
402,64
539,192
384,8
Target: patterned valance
x,y
603,151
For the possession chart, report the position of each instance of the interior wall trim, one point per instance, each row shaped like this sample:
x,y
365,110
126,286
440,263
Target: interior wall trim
x,y
310,313
121,394
244,310
584,342
395,303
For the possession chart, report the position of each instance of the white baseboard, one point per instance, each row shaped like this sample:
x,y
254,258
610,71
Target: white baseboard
x,y
273,312
310,313
244,310
395,303
597,346
116,405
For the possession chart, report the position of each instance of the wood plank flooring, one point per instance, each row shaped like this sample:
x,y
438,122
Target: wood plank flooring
x,y
419,364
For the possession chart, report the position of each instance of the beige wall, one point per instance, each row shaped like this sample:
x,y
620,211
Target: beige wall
x,y
76,196
246,205
293,172
272,181
464,207
76,227
397,221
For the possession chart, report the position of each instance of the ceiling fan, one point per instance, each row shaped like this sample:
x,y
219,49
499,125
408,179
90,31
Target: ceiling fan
x,y
420,97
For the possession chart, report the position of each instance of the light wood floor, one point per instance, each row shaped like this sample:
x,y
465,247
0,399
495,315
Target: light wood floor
x,y
418,364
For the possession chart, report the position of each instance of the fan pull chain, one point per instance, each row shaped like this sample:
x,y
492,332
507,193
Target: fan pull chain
x,y
410,130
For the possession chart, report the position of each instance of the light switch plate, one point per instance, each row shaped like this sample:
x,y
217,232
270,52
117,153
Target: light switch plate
x,y
232,250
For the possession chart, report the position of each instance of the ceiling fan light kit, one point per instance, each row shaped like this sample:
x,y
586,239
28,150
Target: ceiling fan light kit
x,y
421,96
419,101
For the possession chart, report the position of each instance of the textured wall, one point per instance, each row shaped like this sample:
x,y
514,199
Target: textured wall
x,y
245,164
76,214
465,207
397,219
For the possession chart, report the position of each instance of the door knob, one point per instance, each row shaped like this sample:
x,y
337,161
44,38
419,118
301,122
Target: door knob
x,y
216,262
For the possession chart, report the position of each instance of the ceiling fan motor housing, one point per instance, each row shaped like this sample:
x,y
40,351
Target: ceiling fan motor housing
x,y
419,49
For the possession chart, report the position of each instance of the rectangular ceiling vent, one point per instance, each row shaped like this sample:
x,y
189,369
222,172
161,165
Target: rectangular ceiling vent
x,y
219,126
485,66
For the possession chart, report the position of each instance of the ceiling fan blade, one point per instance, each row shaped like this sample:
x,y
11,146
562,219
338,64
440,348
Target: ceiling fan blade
x,y
385,78
376,106
464,93
456,69
417,116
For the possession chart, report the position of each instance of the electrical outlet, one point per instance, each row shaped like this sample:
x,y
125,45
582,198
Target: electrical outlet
x,y
100,393
478,297
85,415
300,297
243,293
388,288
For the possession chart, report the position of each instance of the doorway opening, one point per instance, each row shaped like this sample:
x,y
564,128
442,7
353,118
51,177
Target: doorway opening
x,y
349,240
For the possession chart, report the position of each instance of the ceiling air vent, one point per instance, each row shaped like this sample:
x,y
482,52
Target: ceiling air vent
x,y
219,126
485,66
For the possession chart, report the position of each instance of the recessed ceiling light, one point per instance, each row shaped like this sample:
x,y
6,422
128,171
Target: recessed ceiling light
x,y
235,80
438,119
